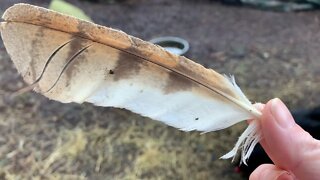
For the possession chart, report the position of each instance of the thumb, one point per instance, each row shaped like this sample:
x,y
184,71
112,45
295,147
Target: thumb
x,y
287,144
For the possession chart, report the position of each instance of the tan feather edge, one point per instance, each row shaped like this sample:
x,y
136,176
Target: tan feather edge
x,y
208,78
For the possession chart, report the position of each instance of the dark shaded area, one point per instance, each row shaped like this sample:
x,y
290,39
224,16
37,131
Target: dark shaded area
x,y
271,54
124,68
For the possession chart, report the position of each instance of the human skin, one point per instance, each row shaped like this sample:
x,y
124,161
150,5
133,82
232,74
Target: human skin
x,y
294,152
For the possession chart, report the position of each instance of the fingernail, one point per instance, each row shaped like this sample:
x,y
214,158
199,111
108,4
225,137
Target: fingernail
x,y
281,113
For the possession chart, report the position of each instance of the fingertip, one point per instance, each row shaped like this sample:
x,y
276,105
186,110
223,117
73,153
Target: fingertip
x,y
281,113
275,113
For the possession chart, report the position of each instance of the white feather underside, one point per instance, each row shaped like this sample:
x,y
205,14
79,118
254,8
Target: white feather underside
x,y
184,109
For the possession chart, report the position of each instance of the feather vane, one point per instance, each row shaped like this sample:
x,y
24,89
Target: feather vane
x,y
70,60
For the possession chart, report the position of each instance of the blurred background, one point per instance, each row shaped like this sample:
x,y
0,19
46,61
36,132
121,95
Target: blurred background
x,y
272,49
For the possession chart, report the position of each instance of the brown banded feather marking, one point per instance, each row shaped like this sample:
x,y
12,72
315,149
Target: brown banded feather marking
x,y
36,45
127,65
75,46
177,82
73,58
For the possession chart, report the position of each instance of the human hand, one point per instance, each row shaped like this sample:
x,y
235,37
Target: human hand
x,y
295,153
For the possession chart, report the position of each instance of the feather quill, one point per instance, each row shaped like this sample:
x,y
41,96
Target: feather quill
x,y
70,60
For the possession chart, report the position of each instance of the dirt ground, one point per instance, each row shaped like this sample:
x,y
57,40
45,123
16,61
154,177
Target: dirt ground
x,y
271,54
